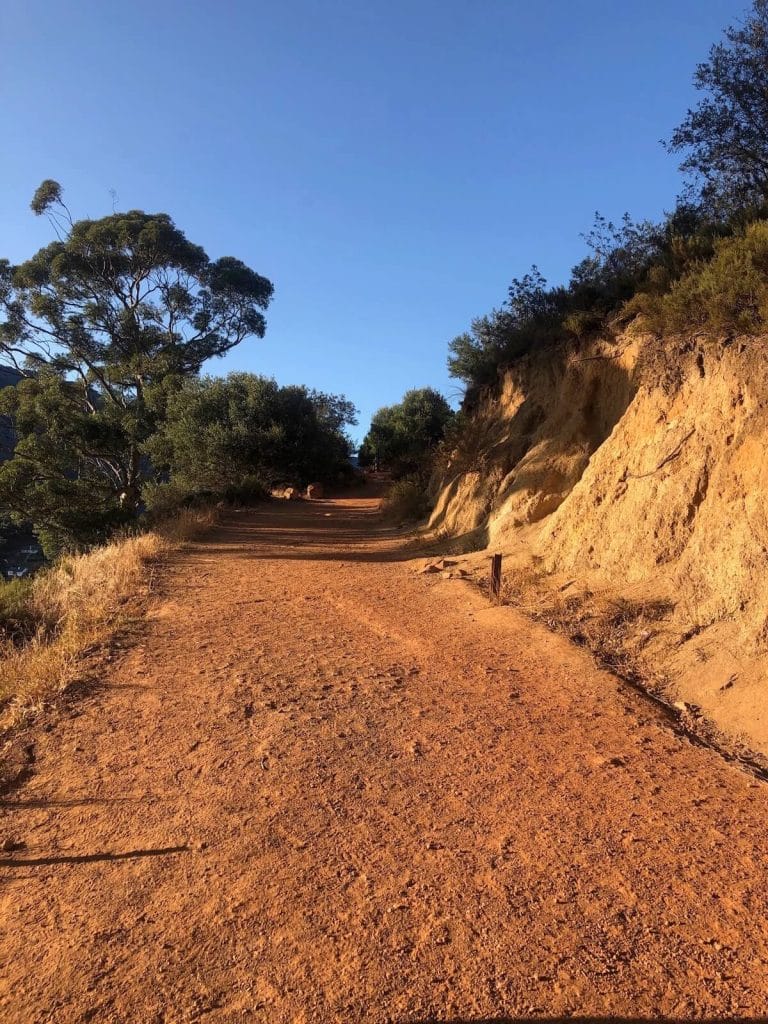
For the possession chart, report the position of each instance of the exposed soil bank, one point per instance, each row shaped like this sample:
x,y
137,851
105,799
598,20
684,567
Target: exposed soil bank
x,y
635,476
325,788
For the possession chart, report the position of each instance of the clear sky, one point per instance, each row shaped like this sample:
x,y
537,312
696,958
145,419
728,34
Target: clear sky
x,y
389,164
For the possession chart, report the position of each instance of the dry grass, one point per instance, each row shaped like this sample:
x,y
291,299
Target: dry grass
x,y
616,630
80,603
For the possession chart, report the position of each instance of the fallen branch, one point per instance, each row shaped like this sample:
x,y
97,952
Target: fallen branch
x,y
672,455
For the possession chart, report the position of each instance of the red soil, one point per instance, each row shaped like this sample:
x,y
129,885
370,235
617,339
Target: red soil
x,y
323,788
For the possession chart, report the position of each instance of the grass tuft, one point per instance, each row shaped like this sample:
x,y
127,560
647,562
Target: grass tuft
x,y
49,622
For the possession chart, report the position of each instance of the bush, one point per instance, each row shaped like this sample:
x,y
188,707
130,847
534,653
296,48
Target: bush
x,y
19,617
164,499
238,436
725,294
402,438
583,322
407,500
249,489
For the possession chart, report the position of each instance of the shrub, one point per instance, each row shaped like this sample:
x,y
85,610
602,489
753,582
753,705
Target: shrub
x,y
725,294
407,500
164,499
249,489
20,619
583,322
402,438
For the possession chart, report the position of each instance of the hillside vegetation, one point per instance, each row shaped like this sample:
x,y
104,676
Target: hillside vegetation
x,y
613,432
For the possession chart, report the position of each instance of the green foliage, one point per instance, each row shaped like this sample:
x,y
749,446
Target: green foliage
x,y
238,436
407,500
109,318
535,316
47,194
529,318
19,619
724,139
701,268
403,437
164,498
725,294
65,466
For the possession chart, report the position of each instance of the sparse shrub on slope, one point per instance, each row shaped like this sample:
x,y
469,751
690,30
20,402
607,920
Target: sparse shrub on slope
x,y
724,295
407,500
537,317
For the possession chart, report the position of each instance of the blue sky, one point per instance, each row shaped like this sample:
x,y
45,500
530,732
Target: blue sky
x,y
390,166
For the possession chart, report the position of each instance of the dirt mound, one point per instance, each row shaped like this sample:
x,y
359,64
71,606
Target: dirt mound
x,y
636,472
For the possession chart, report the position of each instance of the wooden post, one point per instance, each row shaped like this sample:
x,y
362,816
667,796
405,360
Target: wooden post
x,y
496,577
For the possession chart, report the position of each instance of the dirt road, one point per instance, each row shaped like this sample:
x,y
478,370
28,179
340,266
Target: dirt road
x,y
323,788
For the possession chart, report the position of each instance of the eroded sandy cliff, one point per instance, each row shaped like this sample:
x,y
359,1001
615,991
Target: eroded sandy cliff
x,y
629,481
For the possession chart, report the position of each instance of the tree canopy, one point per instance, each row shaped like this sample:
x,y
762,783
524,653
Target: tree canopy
x,y
403,436
106,321
724,138
221,433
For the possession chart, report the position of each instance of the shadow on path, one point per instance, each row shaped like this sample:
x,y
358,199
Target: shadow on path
x,y
311,531
89,858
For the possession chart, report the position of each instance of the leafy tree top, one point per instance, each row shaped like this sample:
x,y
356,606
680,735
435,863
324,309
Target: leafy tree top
x,y
112,317
402,436
125,300
724,139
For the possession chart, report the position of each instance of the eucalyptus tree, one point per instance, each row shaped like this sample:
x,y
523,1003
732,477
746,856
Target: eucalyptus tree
x,y
106,321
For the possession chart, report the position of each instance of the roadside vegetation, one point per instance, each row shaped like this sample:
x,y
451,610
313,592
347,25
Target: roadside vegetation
x,y
120,448
48,622
239,437
111,325
703,269
403,440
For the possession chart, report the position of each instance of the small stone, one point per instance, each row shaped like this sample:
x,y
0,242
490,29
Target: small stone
x,y
10,845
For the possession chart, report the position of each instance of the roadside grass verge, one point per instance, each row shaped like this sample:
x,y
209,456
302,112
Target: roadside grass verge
x,y
617,630
47,624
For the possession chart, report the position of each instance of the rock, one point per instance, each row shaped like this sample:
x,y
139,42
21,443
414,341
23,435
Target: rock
x,y
10,845
315,491
438,565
